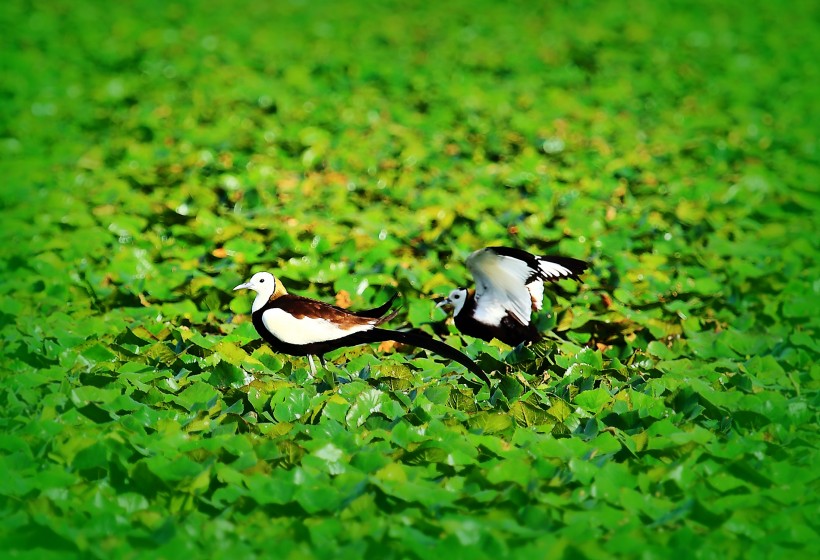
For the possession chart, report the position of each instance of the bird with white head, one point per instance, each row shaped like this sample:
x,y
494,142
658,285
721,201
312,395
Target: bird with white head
x,y
509,288
300,326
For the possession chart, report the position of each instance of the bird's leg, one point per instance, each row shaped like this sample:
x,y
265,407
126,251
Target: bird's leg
x,y
329,376
312,366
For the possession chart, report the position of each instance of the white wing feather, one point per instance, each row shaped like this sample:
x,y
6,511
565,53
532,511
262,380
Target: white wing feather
x,y
536,290
553,270
500,287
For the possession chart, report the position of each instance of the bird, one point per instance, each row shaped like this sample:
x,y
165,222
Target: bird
x,y
301,326
509,287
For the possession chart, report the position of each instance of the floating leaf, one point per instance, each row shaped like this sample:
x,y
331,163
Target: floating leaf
x,y
156,155
593,400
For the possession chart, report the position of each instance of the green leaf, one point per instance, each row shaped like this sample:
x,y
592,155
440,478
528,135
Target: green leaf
x,y
270,490
491,423
97,353
590,357
174,469
290,404
198,395
593,400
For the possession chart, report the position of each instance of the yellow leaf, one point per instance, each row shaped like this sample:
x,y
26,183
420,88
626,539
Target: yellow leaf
x,y
393,473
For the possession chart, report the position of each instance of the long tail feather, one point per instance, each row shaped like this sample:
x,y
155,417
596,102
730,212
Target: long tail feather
x,y
428,343
377,312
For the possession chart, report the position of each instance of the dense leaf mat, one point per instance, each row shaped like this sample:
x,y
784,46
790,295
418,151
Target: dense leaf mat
x,y
154,154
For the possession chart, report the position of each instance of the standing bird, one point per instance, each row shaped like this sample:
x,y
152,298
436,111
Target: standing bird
x,y
300,326
509,287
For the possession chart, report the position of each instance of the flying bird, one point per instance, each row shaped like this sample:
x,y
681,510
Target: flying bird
x,y
300,326
509,287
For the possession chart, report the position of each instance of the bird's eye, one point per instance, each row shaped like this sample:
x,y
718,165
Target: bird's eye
x,y
457,296
261,280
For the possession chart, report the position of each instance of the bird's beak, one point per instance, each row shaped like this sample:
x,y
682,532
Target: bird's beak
x,y
244,286
443,301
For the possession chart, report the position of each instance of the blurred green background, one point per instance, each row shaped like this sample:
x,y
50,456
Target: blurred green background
x,y
155,154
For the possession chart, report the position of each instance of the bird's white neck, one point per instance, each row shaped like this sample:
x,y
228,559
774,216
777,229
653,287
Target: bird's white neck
x,y
262,297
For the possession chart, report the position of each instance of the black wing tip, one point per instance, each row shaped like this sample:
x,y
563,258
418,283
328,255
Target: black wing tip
x,y
575,266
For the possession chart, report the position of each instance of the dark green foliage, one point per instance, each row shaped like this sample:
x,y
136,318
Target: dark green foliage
x,y
154,154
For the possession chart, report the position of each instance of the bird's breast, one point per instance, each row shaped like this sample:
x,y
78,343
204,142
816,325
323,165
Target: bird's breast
x,y
307,330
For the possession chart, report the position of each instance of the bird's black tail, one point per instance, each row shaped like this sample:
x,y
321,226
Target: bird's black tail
x,y
378,312
428,343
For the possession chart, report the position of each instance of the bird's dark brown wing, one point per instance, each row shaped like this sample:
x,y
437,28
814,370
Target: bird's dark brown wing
x,y
302,307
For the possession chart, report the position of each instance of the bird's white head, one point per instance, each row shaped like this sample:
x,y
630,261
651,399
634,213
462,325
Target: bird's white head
x,y
457,299
264,284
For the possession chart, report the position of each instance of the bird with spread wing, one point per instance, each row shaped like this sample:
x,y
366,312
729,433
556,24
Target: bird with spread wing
x,y
509,288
